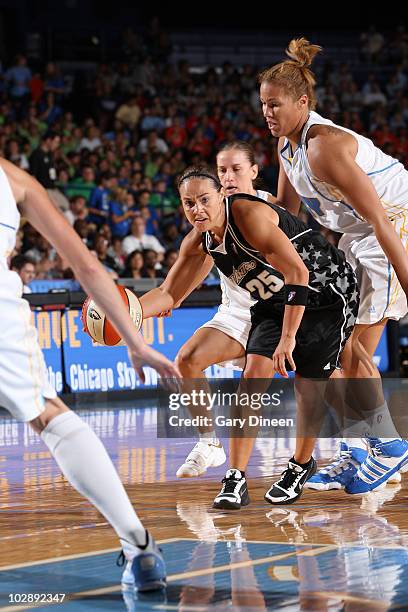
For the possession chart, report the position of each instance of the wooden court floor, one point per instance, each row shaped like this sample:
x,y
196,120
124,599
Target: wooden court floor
x,y
330,551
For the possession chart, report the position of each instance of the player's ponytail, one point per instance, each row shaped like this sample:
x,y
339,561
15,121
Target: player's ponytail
x,y
294,75
302,51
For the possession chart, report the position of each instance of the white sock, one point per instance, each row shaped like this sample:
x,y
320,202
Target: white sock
x,y
375,423
85,463
210,437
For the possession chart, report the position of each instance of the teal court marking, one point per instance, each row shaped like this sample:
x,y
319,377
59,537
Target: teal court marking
x,y
205,575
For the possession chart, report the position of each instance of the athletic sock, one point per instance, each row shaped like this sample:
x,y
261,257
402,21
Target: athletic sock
x,y
302,465
376,423
210,437
87,466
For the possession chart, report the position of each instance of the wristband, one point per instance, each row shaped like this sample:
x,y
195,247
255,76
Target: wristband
x,y
296,295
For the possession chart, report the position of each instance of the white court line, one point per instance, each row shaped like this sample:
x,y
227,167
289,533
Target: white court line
x,y
174,577
76,556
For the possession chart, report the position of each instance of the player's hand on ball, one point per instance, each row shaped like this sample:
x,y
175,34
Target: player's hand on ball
x,y
283,353
163,366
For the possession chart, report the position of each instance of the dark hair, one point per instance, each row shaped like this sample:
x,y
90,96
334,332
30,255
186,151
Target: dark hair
x,y
240,145
199,171
50,135
293,75
19,261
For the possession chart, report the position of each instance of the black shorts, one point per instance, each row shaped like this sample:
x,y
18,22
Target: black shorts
x,y
320,338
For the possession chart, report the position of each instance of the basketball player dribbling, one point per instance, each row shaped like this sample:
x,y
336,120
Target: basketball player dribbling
x,y
352,187
24,389
305,302
223,339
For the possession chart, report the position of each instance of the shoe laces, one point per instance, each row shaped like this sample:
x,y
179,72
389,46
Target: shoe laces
x,y
229,484
290,476
340,461
121,560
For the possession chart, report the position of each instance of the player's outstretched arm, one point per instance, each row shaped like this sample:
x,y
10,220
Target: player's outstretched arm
x,y
191,268
35,205
332,159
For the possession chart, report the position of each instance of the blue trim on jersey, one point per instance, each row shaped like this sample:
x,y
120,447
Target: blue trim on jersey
x,y
388,289
383,169
283,150
9,226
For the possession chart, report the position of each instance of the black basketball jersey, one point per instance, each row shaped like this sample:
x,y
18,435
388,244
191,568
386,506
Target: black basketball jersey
x,y
245,266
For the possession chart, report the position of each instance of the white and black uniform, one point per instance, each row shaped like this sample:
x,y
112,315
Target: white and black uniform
x,y
381,295
23,379
332,300
233,317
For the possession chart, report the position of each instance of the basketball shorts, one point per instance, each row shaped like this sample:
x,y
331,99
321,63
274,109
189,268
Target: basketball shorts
x,y
235,323
320,339
381,295
23,378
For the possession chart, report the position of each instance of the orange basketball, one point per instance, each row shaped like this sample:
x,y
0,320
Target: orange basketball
x,y
99,328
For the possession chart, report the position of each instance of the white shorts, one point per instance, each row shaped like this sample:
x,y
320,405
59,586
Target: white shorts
x,y
23,376
381,295
234,323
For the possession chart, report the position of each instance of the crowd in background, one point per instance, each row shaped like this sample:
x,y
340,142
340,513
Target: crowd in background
x,y
109,145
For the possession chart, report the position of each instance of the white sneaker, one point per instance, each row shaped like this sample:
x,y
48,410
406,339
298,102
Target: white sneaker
x,y
204,455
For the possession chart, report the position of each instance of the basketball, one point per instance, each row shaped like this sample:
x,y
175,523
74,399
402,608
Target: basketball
x,y
99,328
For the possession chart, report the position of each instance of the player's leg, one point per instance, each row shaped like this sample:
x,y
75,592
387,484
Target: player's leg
x,y
26,394
310,407
255,379
87,466
206,347
387,453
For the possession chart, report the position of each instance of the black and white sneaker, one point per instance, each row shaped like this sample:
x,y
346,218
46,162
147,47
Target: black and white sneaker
x,y
290,485
234,492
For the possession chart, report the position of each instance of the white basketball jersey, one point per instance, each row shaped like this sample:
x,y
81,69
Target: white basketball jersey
x,y
9,221
234,297
326,203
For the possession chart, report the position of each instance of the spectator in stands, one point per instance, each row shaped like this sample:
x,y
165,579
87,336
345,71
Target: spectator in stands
x,y
18,78
83,185
42,166
15,155
170,259
171,237
92,139
77,209
83,229
139,240
372,44
25,268
50,111
54,81
152,144
99,205
129,113
151,262
134,265
115,251
121,216
101,246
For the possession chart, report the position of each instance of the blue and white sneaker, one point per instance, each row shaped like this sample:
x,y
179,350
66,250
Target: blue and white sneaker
x,y
340,471
147,570
383,460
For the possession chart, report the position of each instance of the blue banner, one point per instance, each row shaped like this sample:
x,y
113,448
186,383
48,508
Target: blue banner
x,y
90,367
49,330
